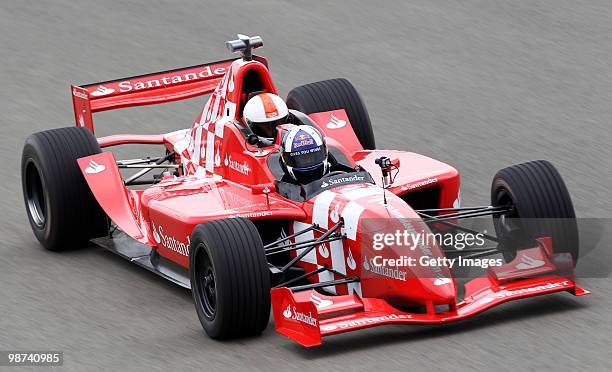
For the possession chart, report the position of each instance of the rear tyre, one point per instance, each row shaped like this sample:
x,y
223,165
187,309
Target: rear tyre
x,y
61,209
335,94
541,207
230,280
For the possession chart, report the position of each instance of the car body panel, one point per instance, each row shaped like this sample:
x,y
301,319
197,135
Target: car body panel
x,y
118,202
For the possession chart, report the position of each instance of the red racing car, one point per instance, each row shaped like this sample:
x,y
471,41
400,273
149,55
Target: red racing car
x,y
214,212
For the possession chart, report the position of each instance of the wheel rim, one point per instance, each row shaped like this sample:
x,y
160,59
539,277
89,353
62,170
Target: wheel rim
x,y
35,195
207,291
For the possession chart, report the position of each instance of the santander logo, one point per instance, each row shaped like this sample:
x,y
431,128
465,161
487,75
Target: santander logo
x,y
486,300
521,291
156,236
366,264
102,91
160,81
442,281
287,312
243,167
422,183
182,77
335,123
323,250
291,312
169,241
529,263
319,302
350,261
94,167
360,322
335,214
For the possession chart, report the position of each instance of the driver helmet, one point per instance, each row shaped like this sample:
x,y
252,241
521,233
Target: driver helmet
x,y
304,154
263,112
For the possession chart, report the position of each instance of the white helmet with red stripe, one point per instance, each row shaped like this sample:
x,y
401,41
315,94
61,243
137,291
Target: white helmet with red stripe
x,y
264,112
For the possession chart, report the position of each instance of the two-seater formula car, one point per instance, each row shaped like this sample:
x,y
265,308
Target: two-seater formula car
x,y
216,216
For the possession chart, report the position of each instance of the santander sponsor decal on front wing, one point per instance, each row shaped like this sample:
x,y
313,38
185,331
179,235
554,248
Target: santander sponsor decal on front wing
x,y
291,312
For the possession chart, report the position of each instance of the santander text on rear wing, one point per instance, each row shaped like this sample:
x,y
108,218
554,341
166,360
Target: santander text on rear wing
x,y
154,88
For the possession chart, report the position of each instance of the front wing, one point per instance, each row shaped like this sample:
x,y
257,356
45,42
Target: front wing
x,y
307,316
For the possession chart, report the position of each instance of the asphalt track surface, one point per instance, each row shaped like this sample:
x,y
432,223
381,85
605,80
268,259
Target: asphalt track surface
x,y
478,84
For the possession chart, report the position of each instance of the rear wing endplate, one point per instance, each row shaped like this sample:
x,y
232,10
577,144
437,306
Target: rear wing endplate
x,y
149,89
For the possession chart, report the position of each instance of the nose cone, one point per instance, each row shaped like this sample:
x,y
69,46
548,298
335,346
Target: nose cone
x,y
439,291
406,278
401,259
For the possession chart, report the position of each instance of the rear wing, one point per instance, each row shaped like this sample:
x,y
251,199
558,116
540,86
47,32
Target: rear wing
x,y
149,89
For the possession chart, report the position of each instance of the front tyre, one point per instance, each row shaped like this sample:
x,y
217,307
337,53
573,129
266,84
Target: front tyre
x,y
62,211
541,207
230,280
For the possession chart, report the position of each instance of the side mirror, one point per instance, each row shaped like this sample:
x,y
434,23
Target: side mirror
x,y
263,188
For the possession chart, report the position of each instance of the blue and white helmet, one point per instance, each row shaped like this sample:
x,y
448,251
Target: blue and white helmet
x,y
304,153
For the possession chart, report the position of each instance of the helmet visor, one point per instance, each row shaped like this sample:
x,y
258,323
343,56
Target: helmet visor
x,y
306,158
268,128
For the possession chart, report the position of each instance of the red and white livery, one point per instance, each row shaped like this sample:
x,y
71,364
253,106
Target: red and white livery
x,y
216,217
